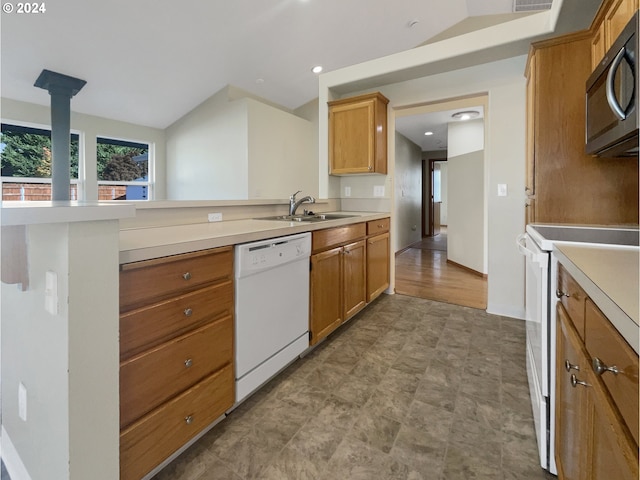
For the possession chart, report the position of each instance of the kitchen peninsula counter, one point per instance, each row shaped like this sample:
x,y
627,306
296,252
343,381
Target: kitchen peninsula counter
x,y
145,243
610,277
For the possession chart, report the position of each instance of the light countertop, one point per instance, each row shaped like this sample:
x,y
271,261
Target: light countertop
x,y
610,276
32,213
146,243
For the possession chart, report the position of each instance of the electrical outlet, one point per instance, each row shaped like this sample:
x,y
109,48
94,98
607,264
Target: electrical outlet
x,y
51,292
347,191
378,191
22,402
215,217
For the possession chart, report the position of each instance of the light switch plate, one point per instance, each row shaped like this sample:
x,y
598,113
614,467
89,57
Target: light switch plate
x,y
502,189
347,191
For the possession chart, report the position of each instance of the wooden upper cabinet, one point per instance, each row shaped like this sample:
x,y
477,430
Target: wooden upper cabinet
x,y
358,135
609,22
565,185
529,186
616,18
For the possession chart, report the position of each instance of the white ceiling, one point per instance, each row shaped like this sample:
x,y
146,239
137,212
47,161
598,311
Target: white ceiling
x,y
413,127
151,61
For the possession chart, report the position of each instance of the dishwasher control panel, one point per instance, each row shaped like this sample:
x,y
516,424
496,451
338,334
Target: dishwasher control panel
x,y
257,256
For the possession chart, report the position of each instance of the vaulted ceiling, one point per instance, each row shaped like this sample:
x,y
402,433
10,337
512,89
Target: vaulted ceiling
x,y
151,61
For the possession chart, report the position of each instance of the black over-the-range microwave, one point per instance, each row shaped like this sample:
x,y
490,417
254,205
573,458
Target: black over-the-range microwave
x,y
612,99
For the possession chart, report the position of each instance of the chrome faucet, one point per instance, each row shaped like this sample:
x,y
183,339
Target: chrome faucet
x,y
294,204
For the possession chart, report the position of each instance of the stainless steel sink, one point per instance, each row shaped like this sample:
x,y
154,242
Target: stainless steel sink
x,y
320,217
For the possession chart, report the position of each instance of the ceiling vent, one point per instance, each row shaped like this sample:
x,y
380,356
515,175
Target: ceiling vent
x,y
531,5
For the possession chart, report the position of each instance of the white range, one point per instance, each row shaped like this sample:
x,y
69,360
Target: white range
x,y
537,245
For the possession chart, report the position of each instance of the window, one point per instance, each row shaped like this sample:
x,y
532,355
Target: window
x,y
124,170
25,154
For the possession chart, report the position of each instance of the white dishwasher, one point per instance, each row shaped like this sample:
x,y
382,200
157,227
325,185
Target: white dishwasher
x,y
271,307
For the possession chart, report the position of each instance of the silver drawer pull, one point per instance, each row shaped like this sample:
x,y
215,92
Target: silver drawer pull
x,y
575,382
380,226
188,362
186,276
188,312
599,367
568,366
560,294
188,419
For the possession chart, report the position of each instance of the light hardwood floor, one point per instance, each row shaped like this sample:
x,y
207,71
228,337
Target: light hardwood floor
x,y
422,271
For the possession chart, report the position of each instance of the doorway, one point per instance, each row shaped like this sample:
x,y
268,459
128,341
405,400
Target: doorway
x,y
423,268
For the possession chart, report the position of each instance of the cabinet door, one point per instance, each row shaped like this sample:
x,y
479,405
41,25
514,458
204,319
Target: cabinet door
x,y
617,17
613,454
351,138
531,127
355,270
598,46
571,401
377,265
326,294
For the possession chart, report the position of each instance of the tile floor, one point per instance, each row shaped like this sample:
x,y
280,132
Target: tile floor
x,y
408,389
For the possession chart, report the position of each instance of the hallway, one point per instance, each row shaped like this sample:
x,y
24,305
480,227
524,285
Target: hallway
x,y
422,271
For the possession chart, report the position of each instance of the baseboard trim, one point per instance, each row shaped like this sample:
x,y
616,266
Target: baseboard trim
x,y
11,459
506,311
470,270
403,250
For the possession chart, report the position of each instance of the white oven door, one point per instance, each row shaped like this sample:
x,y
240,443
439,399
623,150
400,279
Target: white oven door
x,y
537,329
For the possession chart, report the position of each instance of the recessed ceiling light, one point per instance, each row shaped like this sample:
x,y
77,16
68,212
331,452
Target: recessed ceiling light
x,y
259,80
317,69
428,133
413,23
466,115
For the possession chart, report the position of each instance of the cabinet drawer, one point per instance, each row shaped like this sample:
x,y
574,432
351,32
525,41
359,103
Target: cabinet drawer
x,y
147,327
330,237
151,378
572,298
605,343
153,280
151,440
378,226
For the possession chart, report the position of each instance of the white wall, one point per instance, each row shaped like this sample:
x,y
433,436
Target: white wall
x,y
465,228
281,153
69,361
231,148
408,190
466,236
90,128
444,191
207,151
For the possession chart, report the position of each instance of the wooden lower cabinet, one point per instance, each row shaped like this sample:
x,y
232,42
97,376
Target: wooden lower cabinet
x,y
338,288
378,252
354,278
349,269
593,441
176,353
149,441
326,312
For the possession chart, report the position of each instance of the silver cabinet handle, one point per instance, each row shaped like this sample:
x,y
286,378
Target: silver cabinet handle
x,y
560,294
370,167
568,366
188,419
188,312
599,367
575,382
188,362
186,276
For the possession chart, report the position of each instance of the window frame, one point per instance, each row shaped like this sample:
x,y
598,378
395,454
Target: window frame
x,y
80,182
151,169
